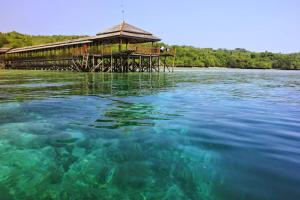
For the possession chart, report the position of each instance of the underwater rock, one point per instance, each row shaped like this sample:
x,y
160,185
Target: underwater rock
x,y
13,133
86,144
132,176
174,193
195,172
64,157
4,193
89,178
5,172
39,128
62,138
69,161
55,174
75,134
29,172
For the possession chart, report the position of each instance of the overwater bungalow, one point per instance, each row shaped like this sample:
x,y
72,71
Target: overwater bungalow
x,y
122,48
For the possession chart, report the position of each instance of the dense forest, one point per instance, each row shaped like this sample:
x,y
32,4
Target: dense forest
x,y
186,55
238,58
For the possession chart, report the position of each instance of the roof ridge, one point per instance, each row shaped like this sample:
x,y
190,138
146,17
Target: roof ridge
x,y
125,27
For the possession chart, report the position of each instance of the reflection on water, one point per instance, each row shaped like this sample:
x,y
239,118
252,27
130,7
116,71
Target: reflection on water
x,y
194,134
25,86
122,113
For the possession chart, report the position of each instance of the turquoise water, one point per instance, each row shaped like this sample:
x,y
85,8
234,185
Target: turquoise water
x,y
195,134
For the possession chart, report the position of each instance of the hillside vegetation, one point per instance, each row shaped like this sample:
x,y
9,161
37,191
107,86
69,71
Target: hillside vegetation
x,y
186,55
15,39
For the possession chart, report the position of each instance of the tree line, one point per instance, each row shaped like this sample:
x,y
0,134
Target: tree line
x,y
187,56
237,58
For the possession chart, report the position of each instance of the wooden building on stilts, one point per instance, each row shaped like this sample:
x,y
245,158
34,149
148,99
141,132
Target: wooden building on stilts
x,y
122,48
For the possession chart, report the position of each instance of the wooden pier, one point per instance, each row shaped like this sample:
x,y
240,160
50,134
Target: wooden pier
x,y
122,48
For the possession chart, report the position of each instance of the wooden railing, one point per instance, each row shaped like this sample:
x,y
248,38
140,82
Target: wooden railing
x,y
134,48
148,50
144,50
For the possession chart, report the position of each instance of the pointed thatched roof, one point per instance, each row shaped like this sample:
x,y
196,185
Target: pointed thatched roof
x,y
124,27
127,32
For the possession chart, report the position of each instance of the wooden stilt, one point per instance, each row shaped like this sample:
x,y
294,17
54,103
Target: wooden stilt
x,y
111,61
174,58
150,63
140,64
159,63
164,64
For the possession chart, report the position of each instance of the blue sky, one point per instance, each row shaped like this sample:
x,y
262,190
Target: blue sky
x,y
257,25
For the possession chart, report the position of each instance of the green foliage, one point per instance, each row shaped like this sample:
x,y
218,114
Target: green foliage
x,y
238,58
3,40
15,39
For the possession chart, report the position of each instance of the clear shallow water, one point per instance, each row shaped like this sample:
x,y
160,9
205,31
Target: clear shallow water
x,y
195,134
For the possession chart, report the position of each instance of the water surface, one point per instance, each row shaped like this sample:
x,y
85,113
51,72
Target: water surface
x,y
208,134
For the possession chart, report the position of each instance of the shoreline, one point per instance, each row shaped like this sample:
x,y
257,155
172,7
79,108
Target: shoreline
x,y
191,67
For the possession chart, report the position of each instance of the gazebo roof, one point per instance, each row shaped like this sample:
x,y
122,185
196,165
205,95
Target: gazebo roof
x,y
125,27
127,32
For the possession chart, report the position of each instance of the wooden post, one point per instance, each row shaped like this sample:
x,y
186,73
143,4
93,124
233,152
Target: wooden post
x,y
159,63
102,60
174,58
93,61
164,63
121,62
150,60
111,59
140,64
